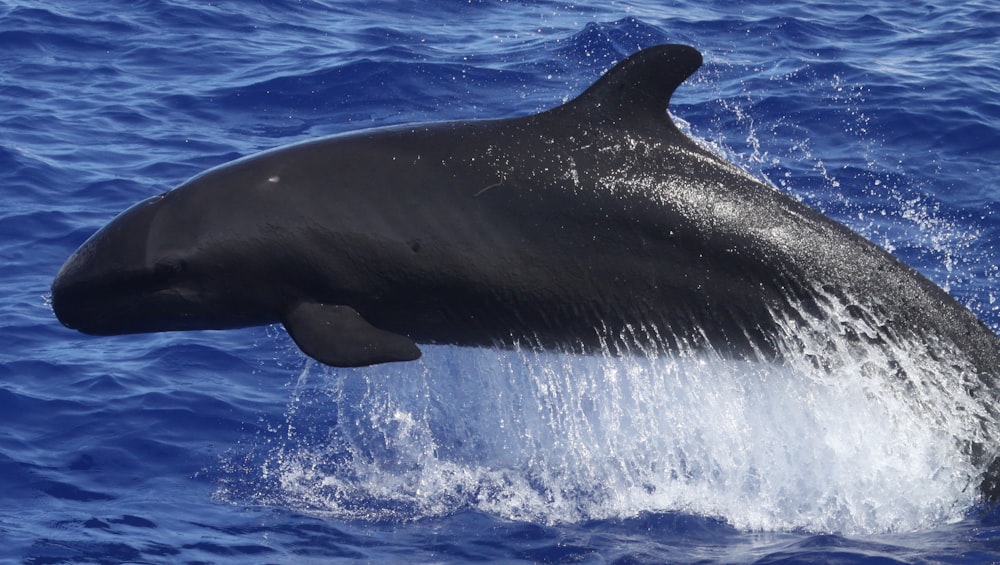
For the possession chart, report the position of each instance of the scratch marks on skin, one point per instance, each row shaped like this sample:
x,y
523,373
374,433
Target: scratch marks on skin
x,y
496,159
494,185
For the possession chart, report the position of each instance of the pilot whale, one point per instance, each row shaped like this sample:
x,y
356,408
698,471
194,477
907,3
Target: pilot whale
x,y
594,224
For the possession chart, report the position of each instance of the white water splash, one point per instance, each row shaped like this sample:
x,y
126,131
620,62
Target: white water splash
x,y
558,438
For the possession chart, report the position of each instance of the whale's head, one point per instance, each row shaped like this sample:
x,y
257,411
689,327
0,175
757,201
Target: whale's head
x,y
161,265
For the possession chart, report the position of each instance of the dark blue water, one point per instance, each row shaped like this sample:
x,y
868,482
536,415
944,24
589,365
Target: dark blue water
x,y
229,447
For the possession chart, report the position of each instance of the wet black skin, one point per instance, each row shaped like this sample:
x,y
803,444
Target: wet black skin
x,y
568,228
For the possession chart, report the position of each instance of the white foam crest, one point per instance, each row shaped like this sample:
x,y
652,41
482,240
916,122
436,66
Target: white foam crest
x,y
842,445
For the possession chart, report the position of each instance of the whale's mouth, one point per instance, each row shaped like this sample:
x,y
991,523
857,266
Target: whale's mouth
x,y
105,306
106,297
134,301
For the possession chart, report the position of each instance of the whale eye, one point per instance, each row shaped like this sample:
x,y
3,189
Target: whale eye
x,y
166,270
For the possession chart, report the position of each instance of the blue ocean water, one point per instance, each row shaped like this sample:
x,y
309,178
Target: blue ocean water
x,y
230,447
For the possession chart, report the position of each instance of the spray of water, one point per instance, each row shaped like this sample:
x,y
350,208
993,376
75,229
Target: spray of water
x,y
838,436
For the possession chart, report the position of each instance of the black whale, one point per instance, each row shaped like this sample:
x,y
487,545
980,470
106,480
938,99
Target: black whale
x,y
597,223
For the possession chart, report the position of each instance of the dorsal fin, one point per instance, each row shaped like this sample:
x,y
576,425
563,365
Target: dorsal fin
x,y
638,89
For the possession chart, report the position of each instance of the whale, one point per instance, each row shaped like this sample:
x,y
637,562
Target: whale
x,y
597,224
594,226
